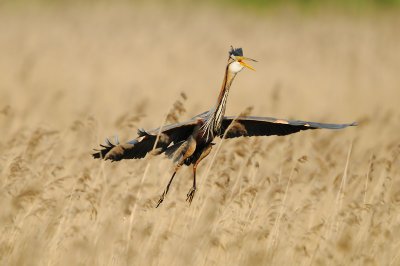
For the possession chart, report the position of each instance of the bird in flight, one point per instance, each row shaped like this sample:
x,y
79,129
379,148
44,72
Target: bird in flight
x,y
188,143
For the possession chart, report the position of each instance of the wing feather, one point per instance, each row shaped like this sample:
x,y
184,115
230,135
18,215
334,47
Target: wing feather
x,y
248,126
144,143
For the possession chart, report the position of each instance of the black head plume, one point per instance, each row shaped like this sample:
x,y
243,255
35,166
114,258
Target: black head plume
x,y
236,51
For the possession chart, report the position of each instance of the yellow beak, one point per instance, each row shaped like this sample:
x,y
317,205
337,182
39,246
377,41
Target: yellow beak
x,y
246,65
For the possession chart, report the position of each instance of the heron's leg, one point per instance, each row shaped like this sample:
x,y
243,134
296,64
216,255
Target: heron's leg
x,y
203,155
169,184
192,190
187,150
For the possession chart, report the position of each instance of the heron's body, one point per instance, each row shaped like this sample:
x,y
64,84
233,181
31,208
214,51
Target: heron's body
x,y
191,141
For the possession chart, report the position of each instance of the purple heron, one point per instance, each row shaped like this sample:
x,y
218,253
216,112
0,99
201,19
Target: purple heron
x,y
191,141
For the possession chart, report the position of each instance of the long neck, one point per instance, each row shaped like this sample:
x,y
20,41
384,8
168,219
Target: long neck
x,y
219,110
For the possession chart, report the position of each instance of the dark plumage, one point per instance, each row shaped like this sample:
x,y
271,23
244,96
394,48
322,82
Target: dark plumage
x,y
236,51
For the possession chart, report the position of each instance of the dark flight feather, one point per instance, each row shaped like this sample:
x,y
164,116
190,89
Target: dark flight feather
x,y
139,147
267,126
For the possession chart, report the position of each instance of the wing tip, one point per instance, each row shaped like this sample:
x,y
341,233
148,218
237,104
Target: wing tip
x,y
101,156
102,153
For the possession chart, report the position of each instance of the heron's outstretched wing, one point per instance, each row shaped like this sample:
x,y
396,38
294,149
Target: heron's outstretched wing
x,y
144,143
248,126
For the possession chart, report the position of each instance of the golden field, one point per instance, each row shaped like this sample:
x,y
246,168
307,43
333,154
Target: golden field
x,y
72,75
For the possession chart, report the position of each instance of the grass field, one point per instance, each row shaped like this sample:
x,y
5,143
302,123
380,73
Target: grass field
x,y
71,76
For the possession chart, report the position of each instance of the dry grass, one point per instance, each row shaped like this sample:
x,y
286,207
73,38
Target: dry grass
x,y
71,76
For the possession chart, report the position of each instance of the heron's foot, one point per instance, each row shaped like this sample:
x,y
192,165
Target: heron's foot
x,y
190,195
161,198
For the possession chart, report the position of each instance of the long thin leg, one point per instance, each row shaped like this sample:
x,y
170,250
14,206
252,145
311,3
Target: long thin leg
x,y
187,149
167,188
192,191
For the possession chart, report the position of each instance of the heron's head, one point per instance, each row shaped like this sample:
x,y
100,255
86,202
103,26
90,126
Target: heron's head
x,y
236,61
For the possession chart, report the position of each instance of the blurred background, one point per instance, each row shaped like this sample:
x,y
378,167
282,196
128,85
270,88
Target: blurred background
x,y
324,59
75,72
